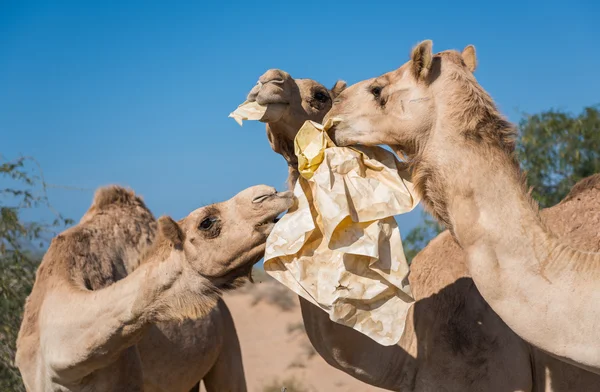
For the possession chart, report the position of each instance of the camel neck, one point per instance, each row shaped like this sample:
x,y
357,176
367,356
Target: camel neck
x,y
281,138
284,146
480,191
489,211
524,272
485,192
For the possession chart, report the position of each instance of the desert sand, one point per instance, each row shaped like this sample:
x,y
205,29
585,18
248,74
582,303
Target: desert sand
x,y
275,348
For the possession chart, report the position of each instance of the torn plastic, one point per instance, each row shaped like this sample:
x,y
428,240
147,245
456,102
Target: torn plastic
x,y
339,246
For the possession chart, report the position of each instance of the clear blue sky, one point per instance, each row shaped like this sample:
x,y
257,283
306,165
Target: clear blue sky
x,y
138,92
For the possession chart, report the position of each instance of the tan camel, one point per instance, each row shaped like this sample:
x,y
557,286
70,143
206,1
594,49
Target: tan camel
x,y
85,316
304,99
462,153
452,341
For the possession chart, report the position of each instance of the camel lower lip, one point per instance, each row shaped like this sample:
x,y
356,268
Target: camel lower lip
x,y
331,134
268,222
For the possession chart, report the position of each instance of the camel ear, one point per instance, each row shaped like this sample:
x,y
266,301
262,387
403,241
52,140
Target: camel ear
x,y
171,231
469,57
421,57
337,88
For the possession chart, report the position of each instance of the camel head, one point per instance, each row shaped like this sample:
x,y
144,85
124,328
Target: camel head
x,y
402,107
432,110
302,99
221,242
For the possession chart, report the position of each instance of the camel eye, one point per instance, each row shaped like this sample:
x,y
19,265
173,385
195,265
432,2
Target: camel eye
x,y
207,223
321,97
376,91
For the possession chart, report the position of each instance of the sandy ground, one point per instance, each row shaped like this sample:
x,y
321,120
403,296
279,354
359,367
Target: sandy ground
x,y
275,348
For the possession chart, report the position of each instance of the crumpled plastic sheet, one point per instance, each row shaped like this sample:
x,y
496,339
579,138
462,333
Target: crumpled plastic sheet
x,y
339,246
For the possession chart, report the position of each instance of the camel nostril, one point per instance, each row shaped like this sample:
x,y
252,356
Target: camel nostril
x,y
261,198
270,81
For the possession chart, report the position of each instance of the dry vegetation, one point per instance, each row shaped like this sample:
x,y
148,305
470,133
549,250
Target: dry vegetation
x,y
290,384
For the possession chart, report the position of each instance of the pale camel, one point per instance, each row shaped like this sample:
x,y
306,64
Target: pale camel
x,y
178,354
452,341
86,316
464,168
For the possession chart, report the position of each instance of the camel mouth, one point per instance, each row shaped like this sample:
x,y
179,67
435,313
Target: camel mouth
x,y
272,100
339,134
270,221
278,204
275,111
333,134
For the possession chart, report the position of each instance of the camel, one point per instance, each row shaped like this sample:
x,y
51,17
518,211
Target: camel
x,y
452,341
87,321
545,288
